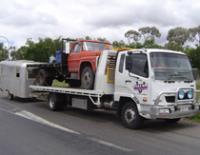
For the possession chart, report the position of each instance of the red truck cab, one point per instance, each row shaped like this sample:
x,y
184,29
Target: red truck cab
x,y
82,61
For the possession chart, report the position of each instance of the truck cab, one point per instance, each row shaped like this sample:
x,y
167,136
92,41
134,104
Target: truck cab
x,y
158,83
82,61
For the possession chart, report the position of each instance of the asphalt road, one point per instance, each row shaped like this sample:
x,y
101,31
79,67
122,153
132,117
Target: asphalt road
x,y
31,128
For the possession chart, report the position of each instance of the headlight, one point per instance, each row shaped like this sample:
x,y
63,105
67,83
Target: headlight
x,y
181,94
190,94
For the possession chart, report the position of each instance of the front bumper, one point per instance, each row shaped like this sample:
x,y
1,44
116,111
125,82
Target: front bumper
x,y
172,112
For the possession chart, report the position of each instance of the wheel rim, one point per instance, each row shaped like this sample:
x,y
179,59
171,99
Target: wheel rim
x,y
129,115
87,79
51,103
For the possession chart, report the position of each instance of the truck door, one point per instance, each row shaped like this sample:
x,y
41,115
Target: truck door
x,y
138,73
132,77
74,58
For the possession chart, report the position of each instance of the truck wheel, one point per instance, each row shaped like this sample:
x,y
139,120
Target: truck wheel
x,y
176,120
130,116
42,78
74,83
56,102
87,78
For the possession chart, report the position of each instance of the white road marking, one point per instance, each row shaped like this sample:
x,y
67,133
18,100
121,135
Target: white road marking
x,y
110,144
33,117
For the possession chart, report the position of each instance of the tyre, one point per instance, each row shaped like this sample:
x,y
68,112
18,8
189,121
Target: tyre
x,y
56,102
173,121
10,96
74,83
43,78
87,78
130,116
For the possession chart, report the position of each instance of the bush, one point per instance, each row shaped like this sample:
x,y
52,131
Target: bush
x,y
194,55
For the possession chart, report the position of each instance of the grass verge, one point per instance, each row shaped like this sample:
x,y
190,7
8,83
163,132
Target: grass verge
x,y
56,83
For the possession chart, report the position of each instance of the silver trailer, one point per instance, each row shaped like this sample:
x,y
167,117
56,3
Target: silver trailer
x,y
17,76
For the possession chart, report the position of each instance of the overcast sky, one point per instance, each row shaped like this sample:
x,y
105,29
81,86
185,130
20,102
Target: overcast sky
x,y
22,19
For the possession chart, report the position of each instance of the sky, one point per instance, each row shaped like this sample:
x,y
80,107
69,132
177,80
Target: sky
x,y
30,19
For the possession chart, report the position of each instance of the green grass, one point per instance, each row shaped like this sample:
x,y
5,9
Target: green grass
x,y
56,83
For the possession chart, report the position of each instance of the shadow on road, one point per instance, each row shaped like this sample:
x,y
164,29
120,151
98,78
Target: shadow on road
x,y
100,116
162,126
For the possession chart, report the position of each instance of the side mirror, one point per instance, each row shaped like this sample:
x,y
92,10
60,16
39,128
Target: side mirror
x,y
129,63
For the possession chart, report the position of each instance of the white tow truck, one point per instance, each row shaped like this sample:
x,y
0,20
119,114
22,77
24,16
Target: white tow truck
x,y
138,84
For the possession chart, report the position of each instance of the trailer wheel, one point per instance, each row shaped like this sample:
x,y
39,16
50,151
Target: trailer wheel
x,y
56,102
10,96
87,78
130,116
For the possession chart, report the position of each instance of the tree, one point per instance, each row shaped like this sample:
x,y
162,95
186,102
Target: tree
x,y
41,50
88,38
101,39
3,52
132,36
194,55
178,35
119,44
150,43
194,35
150,33
172,45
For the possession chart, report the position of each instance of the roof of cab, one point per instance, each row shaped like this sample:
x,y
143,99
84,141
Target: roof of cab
x,y
149,50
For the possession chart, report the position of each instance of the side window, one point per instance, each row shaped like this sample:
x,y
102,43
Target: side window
x,y
121,63
139,64
77,48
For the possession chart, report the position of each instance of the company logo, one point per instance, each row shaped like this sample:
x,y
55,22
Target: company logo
x,y
140,87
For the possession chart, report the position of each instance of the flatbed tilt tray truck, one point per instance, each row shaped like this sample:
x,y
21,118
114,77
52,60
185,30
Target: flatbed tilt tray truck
x,y
139,84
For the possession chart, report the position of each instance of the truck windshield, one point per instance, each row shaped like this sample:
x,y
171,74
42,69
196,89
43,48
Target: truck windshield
x,y
171,66
95,46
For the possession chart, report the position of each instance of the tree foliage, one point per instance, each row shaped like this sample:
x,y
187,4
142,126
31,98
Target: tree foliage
x,y
150,33
132,36
178,35
3,52
194,35
39,51
194,55
172,45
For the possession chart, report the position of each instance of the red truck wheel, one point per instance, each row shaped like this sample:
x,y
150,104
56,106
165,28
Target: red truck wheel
x,y
42,78
87,78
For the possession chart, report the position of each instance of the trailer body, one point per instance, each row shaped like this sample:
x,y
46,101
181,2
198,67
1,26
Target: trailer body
x,y
17,76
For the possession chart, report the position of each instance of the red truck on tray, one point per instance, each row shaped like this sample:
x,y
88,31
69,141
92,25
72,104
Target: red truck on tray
x,y
76,63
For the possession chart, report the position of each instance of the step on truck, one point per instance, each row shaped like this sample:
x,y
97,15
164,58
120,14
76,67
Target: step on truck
x,y
139,84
